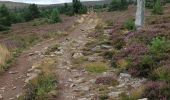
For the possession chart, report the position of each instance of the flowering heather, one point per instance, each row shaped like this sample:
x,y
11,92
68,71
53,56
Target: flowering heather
x,y
157,91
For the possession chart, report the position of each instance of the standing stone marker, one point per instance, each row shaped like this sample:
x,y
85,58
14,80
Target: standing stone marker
x,y
140,14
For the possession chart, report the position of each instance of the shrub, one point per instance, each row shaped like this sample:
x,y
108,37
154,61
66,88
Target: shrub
x,y
157,9
159,45
157,91
162,74
118,41
107,80
3,28
129,24
5,55
55,16
123,64
97,67
5,19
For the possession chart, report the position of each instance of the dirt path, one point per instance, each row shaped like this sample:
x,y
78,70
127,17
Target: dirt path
x,y
69,77
12,81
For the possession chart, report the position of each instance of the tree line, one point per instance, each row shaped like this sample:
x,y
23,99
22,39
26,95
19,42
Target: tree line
x,y
8,17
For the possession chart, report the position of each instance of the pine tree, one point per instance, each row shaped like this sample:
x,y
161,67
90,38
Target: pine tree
x,y
78,8
157,9
5,18
55,16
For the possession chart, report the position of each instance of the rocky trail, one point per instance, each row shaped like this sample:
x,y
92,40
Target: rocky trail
x,y
73,83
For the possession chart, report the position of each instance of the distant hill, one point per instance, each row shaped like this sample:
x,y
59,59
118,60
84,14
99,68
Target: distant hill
x,y
13,5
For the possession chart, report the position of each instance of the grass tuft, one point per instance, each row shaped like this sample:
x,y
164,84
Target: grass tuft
x,y
97,67
5,55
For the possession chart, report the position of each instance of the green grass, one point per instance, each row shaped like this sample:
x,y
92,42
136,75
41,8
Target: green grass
x,y
39,90
97,67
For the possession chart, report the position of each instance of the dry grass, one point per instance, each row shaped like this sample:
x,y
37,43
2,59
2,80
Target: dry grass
x,y
46,65
5,55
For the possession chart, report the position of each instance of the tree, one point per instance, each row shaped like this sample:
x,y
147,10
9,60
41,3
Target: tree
x,y
118,5
33,8
5,18
55,16
140,14
78,8
32,12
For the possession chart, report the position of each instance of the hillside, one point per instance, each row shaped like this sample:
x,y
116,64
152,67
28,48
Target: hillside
x,y
13,5
85,54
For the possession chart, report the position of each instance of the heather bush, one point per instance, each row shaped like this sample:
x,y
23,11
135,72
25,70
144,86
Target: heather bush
x,y
107,80
157,91
118,40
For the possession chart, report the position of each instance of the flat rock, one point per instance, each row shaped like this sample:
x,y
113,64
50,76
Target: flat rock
x,y
13,72
114,94
106,46
125,75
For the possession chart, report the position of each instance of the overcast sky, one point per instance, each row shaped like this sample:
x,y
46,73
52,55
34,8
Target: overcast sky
x,y
44,1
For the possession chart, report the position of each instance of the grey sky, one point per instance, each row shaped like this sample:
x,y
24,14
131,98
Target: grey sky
x,y
45,1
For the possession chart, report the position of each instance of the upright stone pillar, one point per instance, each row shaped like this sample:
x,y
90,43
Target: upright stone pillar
x,y
140,14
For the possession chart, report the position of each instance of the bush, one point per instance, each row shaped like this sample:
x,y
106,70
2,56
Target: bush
x,y
162,74
5,19
97,67
130,24
157,91
3,28
157,9
107,80
159,45
55,16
